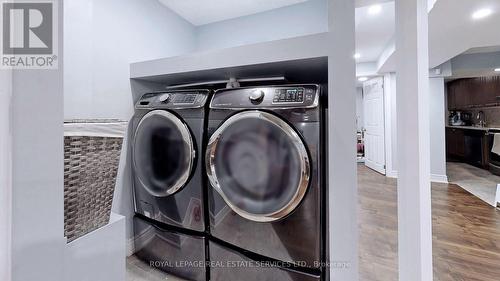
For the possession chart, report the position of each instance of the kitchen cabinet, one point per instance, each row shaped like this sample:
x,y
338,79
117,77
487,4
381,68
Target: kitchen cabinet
x,y
459,96
491,91
455,144
473,92
467,145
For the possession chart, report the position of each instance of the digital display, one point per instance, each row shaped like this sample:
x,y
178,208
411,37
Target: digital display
x,y
293,95
185,99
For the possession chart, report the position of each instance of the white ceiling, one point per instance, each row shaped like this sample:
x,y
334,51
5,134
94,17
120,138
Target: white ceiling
x,y
200,12
362,3
482,50
374,32
452,31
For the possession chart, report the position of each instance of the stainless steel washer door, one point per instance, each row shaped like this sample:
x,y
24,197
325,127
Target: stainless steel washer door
x,y
259,165
163,153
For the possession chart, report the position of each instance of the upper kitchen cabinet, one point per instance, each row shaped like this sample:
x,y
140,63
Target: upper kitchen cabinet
x,y
459,96
491,91
474,92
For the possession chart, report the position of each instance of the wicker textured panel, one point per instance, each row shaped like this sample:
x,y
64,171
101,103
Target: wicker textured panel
x,y
90,168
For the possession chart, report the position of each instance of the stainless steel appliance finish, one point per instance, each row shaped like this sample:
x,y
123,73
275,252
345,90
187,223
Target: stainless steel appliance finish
x,y
494,159
249,269
460,118
170,251
474,149
166,145
264,164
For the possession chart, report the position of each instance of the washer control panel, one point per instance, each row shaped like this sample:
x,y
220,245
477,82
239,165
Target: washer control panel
x,y
295,95
187,98
174,99
286,96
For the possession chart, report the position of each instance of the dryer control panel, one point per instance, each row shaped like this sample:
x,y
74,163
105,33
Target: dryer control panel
x,y
174,99
285,96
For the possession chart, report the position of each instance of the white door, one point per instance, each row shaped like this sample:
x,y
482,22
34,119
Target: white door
x,y
373,101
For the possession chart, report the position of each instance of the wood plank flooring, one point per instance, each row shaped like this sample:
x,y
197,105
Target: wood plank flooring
x,y
466,232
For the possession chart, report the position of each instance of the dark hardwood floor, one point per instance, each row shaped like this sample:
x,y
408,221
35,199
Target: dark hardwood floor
x,y
466,232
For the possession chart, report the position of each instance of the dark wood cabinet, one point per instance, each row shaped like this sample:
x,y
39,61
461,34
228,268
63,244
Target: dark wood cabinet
x,y
473,92
467,145
459,94
455,144
491,91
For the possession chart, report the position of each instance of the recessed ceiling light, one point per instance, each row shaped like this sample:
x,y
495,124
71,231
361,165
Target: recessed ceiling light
x,y
362,79
357,55
497,69
374,9
481,14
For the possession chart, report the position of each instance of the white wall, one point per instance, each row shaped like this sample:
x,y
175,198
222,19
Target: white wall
x,y
37,172
342,180
5,173
301,19
99,255
102,39
437,126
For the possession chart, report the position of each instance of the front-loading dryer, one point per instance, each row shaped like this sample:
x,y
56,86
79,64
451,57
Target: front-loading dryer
x,y
166,153
264,162
166,157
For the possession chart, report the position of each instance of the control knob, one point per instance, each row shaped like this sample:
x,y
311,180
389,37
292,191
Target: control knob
x,y
164,98
256,96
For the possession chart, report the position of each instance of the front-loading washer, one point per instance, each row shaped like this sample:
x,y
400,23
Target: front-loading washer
x,y
264,161
166,157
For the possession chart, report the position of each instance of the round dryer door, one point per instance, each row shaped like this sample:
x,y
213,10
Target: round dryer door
x,y
163,153
259,165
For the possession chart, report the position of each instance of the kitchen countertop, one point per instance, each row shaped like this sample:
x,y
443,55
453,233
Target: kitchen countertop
x,y
474,128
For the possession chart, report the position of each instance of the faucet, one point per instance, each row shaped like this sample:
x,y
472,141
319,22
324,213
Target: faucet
x,y
481,119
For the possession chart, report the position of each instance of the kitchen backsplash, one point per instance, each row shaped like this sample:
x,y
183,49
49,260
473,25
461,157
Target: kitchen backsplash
x,y
491,114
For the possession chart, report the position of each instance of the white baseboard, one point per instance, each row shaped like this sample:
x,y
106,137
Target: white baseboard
x,y
434,177
392,174
439,178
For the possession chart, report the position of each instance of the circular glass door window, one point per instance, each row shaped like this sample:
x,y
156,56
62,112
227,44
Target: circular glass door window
x,y
163,153
259,165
